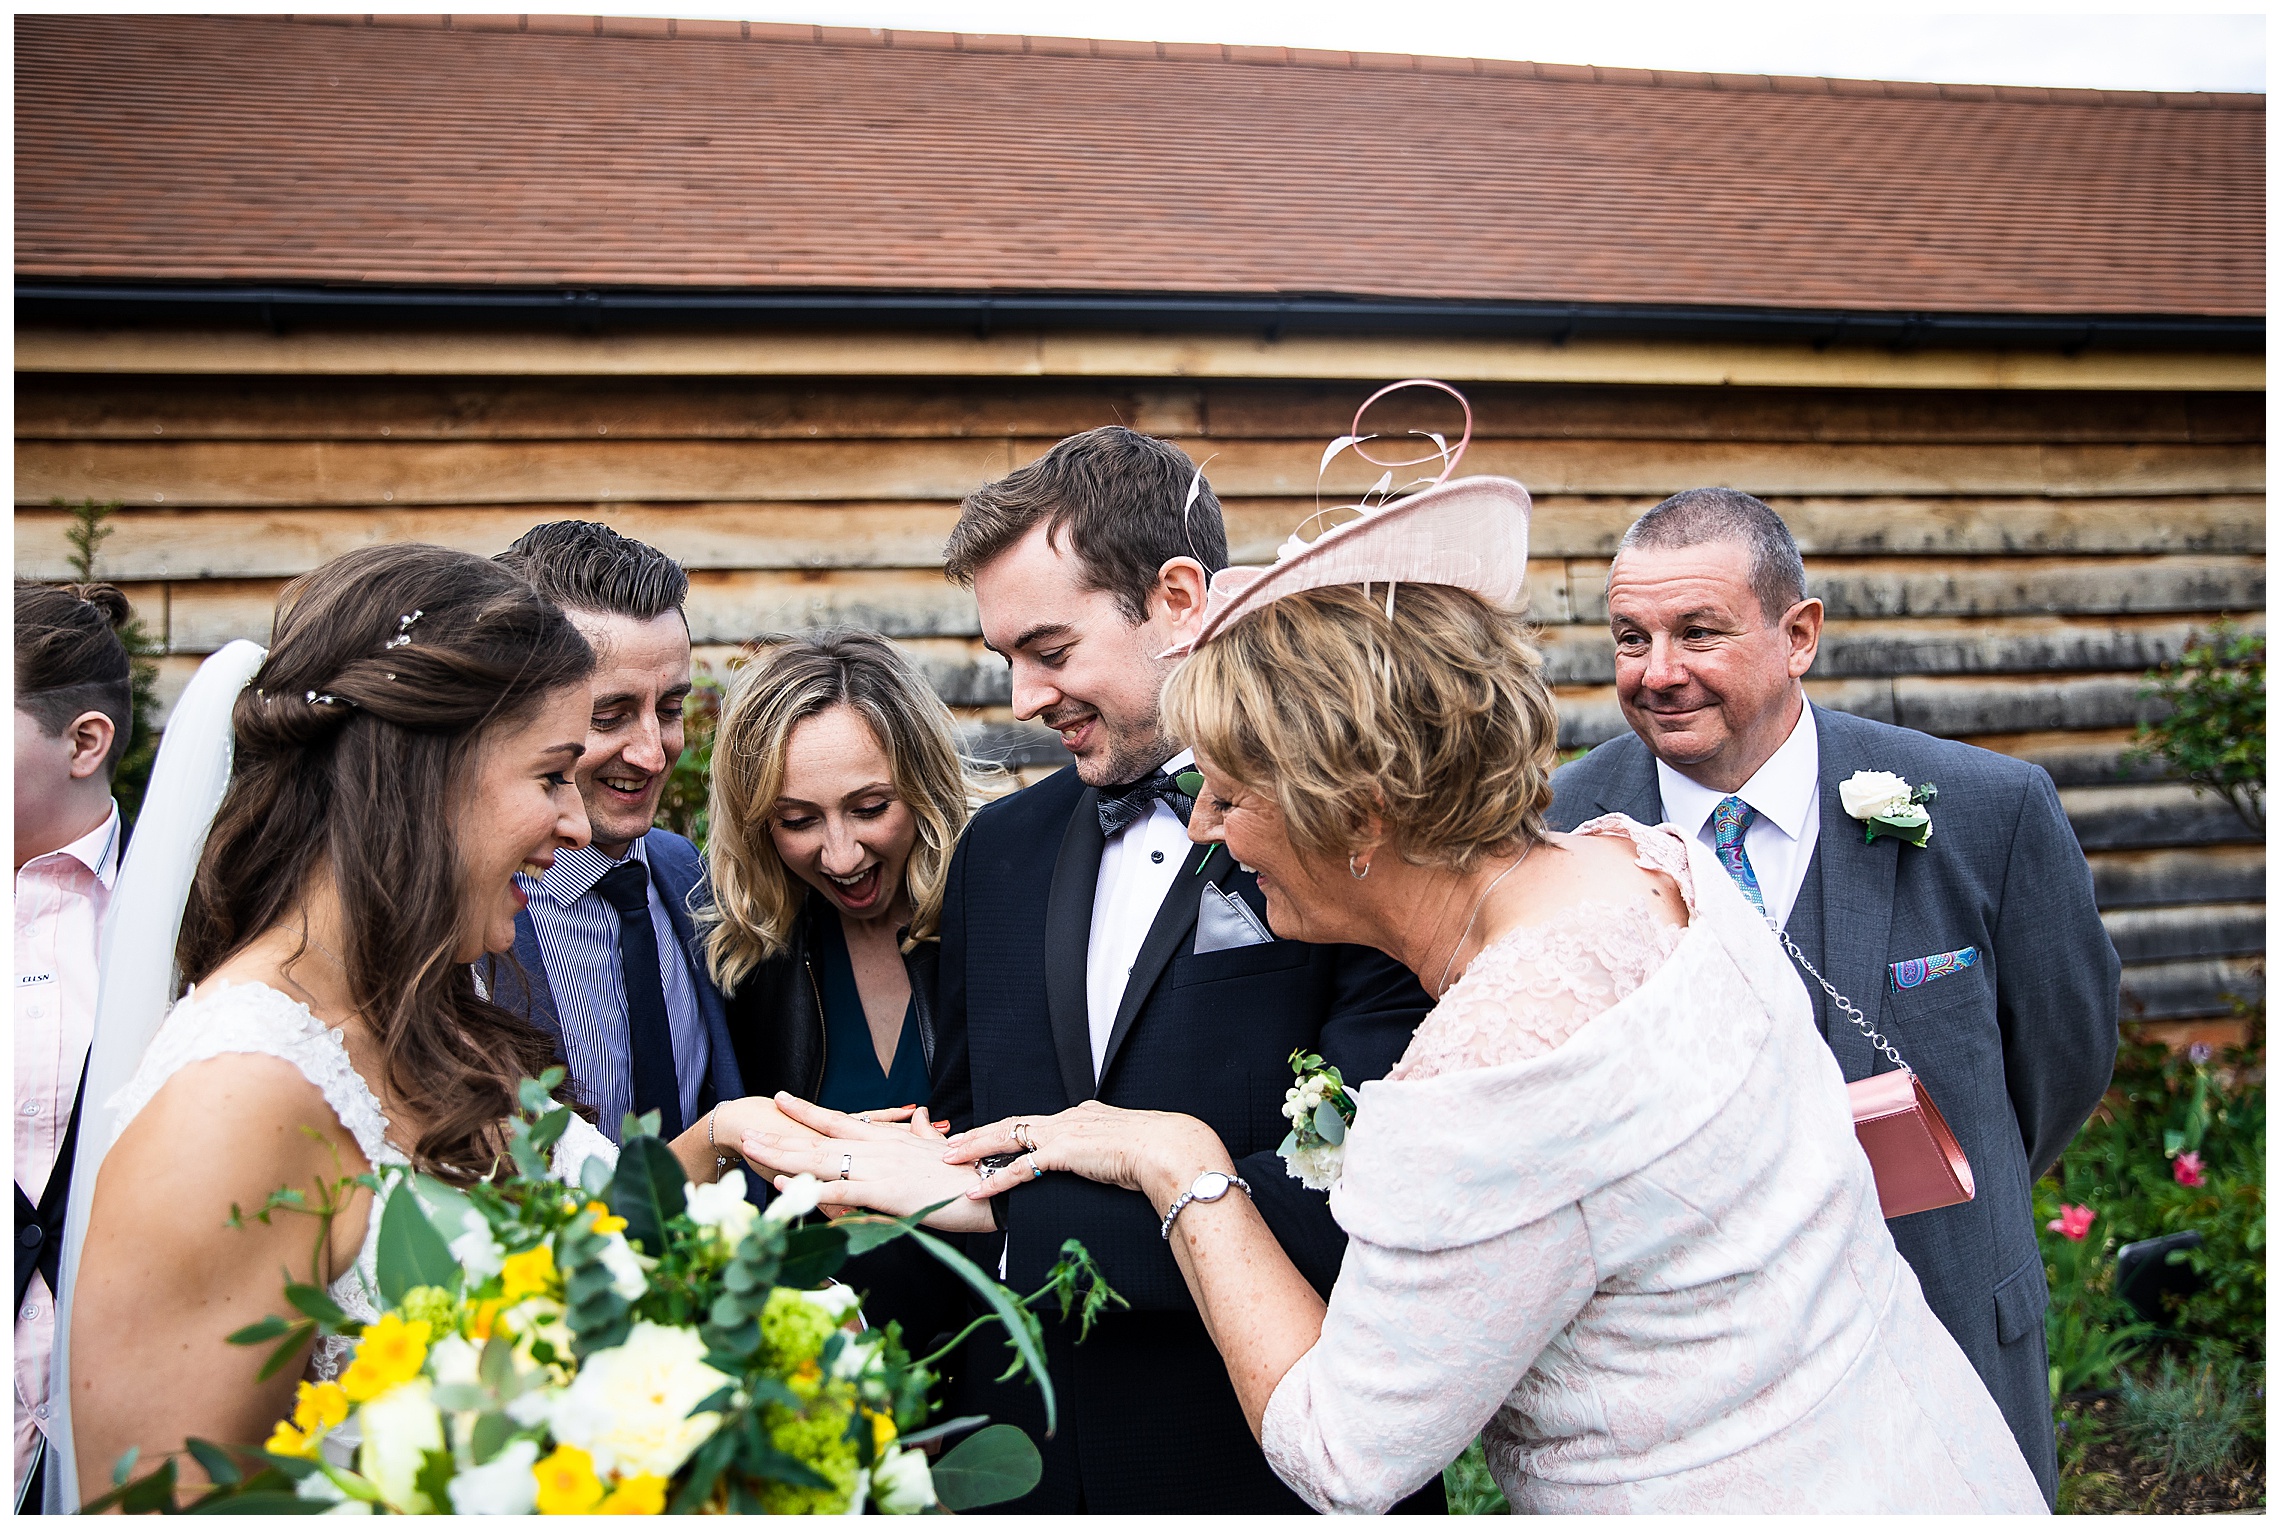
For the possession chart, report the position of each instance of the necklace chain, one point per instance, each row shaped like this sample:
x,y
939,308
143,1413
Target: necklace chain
x,y
1479,903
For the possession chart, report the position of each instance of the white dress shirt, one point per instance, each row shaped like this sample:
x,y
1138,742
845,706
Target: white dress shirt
x,y
1137,869
1786,791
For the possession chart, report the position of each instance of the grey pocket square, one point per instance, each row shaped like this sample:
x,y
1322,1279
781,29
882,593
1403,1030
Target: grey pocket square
x,y
1224,921
1923,969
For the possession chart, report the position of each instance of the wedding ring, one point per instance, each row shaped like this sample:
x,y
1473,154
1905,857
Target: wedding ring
x,y
846,1165
865,1117
1022,1136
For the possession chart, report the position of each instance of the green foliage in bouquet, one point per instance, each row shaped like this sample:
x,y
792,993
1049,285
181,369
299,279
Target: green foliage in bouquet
x,y
631,1344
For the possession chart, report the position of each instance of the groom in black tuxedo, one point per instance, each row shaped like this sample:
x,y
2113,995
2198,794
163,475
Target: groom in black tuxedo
x,y
1980,954
1090,952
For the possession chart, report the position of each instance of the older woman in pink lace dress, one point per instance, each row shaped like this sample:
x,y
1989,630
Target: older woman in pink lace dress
x,y
1609,1209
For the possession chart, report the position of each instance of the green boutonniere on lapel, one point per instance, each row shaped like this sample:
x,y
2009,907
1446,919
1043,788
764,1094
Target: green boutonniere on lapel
x,y
1886,804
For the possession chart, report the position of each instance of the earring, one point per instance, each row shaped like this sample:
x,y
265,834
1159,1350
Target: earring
x,y
1359,873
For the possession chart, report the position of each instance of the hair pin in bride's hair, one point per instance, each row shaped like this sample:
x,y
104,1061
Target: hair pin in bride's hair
x,y
403,635
327,700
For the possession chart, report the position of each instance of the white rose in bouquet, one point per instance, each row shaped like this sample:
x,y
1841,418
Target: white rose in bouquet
x,y
900,1482
400,1427
630,1406
506,1485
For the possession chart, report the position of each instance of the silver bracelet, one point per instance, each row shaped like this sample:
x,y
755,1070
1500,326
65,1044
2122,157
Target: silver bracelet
x,y
1208,1186
720,1160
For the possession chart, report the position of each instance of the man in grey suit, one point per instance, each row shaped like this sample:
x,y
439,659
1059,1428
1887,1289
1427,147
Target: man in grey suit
x,y
1980,954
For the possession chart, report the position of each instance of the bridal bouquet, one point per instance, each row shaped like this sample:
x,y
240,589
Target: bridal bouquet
x,y
631,1344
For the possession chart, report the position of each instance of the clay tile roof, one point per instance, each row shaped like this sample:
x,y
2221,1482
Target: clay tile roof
x,y
565,150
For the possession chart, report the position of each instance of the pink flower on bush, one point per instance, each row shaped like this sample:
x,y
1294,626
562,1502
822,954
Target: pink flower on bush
x,y
2073,1222
2187,1168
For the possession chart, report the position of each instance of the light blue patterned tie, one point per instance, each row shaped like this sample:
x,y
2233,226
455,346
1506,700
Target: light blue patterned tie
x,y
1731,819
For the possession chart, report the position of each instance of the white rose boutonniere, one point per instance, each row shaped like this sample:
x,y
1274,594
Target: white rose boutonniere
x,y
1319,1110
1886,804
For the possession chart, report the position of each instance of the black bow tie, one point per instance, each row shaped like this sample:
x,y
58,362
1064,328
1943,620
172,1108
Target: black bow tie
x,y
1123,806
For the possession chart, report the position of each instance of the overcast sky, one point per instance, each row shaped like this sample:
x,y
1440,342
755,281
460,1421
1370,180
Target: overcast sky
x,y
2208,49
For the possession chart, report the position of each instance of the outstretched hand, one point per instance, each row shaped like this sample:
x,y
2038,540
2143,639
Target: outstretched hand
x,y
886,1160
1152,1151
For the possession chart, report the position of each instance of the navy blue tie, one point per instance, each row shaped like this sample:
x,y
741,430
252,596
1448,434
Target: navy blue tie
x,y
649,1032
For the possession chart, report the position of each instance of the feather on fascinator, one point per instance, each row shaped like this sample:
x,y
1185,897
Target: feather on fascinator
x,y
1471,533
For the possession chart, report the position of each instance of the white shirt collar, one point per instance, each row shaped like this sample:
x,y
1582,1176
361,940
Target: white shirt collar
x,y
1786,790
575,871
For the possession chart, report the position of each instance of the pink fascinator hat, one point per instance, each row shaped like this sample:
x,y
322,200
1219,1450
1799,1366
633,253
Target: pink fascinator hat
x,y
1471,533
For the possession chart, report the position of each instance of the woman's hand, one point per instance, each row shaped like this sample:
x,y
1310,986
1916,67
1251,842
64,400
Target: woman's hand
x,y
1157,1153
891,1165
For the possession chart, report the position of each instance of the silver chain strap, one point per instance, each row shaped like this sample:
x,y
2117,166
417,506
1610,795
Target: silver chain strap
x,y
1875,1036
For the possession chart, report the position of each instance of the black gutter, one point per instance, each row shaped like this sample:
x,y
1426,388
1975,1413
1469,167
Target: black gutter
x,y
280,306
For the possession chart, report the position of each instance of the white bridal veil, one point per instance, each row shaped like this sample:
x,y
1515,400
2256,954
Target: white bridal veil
x,y
138,977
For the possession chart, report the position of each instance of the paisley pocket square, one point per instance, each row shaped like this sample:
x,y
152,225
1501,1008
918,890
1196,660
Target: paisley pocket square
x,y
1908,974
1226,922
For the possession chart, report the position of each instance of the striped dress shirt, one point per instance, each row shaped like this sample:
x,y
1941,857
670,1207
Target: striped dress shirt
x,y
578,936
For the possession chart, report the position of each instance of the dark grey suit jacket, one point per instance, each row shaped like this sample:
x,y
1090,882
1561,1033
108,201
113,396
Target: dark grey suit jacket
x,y
2016,1050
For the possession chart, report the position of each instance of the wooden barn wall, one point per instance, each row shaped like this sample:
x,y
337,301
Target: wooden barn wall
x,y
1999,566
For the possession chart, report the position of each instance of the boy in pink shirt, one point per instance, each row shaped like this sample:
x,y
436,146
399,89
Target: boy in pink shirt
x,y
74,717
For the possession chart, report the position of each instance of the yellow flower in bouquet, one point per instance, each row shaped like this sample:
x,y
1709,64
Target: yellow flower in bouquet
x,y
389,1353
635,1494
567,1482
529,1273
317,1410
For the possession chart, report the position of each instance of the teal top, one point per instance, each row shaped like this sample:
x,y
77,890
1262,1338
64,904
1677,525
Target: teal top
x,y
852,1081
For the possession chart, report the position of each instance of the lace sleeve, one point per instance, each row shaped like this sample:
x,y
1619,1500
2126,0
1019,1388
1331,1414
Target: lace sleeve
x,y
1418,1352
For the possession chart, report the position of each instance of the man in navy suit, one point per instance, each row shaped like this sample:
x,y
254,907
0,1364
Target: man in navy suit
x,y
1079,961
1980,954
615,966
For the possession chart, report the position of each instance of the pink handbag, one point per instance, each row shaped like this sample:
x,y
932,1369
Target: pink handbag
x,y
1918,1164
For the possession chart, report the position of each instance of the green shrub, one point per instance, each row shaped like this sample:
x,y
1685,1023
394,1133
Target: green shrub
x,y
2193,1418
90,528
2213,734
2125,1167
685,807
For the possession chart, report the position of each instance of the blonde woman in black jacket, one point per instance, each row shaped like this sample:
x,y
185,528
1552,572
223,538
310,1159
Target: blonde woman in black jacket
x,y
837,798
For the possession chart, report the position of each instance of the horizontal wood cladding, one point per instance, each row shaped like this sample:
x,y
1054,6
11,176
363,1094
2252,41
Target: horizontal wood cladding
x,y
82,407
171,542
862,356
2000,565
197,473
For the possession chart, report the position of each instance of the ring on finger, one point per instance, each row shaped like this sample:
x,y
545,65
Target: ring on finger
x,y
846,1166
1021,1135
865,1117
1036,1169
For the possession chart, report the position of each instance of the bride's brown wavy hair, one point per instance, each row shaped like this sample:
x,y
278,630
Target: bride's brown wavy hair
x,y
352,753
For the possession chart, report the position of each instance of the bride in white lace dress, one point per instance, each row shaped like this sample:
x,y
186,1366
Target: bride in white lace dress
x,y
1608,1210
383,795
